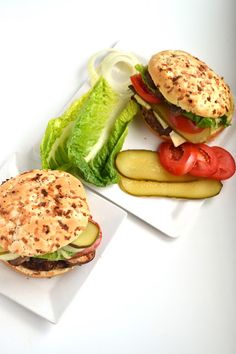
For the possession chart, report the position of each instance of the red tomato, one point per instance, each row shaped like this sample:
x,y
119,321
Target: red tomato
x,y
178,160
226,164
207,162
142,90
183,124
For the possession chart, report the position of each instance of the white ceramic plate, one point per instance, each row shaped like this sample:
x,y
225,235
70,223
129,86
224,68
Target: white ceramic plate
x,y
47,297
171,216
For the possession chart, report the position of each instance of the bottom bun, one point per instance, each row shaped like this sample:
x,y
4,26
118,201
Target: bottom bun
x,y
38,274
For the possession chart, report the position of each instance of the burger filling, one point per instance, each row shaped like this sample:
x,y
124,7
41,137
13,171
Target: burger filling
x,y
80,251
38,264
167,119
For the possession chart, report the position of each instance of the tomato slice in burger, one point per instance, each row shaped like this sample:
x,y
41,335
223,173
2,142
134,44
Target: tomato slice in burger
x,y
178,160
184,124
226,164
142,90
207,162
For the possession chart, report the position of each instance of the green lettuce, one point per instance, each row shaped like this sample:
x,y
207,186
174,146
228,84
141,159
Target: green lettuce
x,y
58,255
53,147
207,122
86,138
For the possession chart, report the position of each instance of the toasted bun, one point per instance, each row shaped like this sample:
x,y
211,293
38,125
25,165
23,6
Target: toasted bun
x,y
38,274
190,84
41,211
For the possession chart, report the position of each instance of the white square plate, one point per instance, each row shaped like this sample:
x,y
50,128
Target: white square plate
x,y
49,298
169,215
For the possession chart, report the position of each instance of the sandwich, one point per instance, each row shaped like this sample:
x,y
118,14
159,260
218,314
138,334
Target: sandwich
x,y
45,222
181,98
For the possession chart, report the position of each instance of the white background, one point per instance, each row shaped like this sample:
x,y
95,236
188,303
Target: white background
x,y
148,294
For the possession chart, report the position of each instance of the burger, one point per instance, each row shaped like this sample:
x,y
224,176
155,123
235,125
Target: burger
x,y
182,98
45,222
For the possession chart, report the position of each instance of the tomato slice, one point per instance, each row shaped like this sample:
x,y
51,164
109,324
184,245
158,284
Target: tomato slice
x,y
226,164
178,160
142,90
183,123
207,162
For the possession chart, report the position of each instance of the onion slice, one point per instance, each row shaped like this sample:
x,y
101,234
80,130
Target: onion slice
x,y
115,66
8,256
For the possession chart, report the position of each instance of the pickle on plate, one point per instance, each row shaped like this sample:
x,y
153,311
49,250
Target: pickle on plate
x,y
204,188
145,165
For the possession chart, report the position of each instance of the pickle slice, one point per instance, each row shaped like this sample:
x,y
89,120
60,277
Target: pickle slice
x,y
204,188
145,165
87,237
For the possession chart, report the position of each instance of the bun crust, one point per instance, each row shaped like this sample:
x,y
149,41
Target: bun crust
x,y
41,211
38,274
190,84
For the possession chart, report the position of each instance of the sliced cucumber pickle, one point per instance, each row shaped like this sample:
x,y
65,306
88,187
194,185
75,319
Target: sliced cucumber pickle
x,y
204,188
88,237
145,165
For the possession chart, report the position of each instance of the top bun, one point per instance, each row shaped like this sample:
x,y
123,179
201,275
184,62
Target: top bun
x,y
41,211
190,84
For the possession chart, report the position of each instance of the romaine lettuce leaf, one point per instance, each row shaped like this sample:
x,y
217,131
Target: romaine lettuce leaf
x,y
53,147
97,167
86,138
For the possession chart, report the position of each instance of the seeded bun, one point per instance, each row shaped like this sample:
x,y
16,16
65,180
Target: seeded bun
x,y
41,211
190,84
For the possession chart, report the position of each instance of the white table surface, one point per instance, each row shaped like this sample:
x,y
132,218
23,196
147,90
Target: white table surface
x,y
148,294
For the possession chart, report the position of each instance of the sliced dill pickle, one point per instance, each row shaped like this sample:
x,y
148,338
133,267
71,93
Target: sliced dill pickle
x,y
87,237
200,189
145,165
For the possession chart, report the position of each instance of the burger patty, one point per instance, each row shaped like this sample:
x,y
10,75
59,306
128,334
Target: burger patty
x,y
38,264
152,121
43,264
